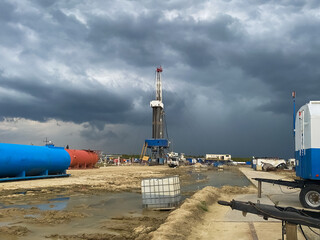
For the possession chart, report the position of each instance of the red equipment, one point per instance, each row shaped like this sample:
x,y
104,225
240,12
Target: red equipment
x,y
82,159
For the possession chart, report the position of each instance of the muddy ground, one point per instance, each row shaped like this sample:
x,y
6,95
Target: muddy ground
x,y
81,182
112,179
151,225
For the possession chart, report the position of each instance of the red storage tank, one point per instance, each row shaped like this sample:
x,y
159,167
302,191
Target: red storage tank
x,y
81,159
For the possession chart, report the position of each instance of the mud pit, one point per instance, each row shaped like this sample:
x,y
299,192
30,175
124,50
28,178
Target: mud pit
x,y
37,208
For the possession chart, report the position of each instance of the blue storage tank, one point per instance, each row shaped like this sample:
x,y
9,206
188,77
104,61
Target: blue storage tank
x,y
26,162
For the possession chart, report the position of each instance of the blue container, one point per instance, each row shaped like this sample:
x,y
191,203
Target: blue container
x,y
308,164
217,163
25,161
161,161
157,143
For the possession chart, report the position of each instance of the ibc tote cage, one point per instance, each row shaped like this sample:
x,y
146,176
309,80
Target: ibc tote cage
x,y
161,192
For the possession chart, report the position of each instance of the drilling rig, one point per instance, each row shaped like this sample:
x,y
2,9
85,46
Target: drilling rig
x,y
158,143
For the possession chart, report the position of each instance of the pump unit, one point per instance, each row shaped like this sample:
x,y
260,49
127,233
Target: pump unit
x,y
307,156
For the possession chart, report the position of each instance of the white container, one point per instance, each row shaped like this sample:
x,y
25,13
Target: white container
x,y
307,141
160,192
218,157
308,127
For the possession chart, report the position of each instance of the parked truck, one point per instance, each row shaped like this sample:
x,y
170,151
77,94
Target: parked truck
x,y
307,156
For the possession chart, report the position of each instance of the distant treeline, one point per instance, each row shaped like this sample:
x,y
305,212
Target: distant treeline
x,y
128,156
238,159
199,156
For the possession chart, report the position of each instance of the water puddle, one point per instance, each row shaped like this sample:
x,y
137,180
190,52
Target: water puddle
x,y
108,205
99,208
2,224
214,178
52,205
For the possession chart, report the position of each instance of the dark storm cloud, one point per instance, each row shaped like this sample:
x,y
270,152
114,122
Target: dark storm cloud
x,y
45,3
61,38
138,41
143,41
67,103
97,134
285,66
6,11
132,40
223,60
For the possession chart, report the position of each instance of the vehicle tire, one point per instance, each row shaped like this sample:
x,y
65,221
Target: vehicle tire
x,y
310,196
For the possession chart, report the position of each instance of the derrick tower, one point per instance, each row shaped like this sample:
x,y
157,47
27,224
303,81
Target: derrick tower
x,y
157,108
158,143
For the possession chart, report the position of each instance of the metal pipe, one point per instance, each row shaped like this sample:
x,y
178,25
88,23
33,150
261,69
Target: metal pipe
x,y
289,214
259,189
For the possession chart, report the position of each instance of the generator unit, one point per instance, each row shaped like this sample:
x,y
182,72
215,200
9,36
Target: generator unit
x,y
307,156
307,141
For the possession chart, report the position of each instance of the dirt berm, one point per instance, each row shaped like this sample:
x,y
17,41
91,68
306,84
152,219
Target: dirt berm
x,y
179,223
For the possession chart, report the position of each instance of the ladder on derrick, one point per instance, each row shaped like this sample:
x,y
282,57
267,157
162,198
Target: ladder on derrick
x,y
143,151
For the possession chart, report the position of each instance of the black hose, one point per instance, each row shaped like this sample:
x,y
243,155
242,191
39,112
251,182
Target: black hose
x,y
304,235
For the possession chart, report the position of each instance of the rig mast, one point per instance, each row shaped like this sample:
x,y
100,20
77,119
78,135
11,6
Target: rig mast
x,y
158,143
157,108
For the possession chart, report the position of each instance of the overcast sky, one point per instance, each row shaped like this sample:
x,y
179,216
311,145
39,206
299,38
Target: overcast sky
x,y
83,72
